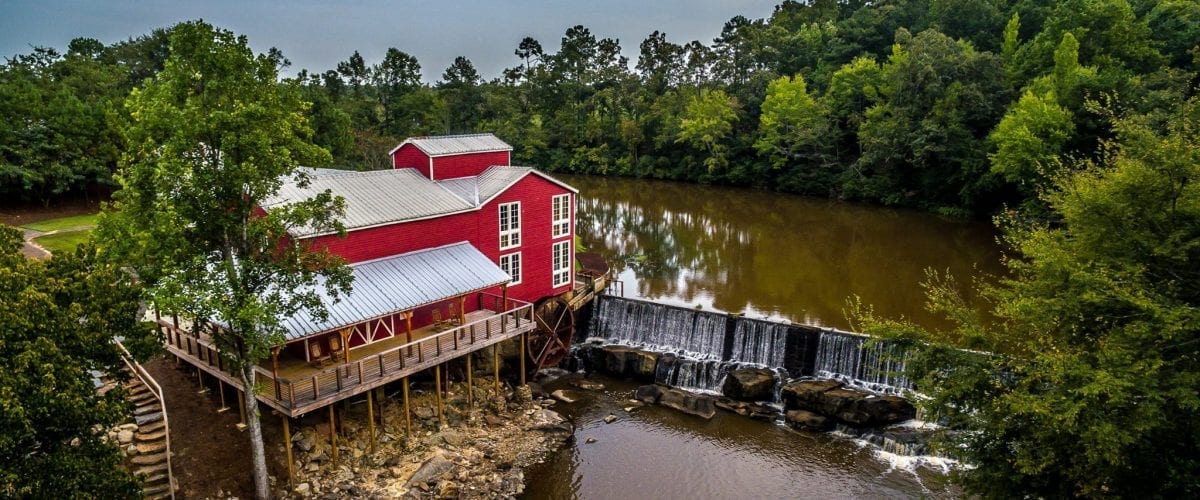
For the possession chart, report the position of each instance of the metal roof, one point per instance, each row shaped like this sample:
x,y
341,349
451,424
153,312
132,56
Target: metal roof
x,y
375,197
401,283
480,189
463,187
455,144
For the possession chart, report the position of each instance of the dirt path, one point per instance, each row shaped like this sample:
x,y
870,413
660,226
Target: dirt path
x,y
210,454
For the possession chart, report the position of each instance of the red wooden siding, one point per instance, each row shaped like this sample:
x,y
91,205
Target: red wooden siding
x,y
409,156
479,227
466,165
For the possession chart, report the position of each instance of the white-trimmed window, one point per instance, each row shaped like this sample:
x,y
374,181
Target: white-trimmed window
x,y
560,215
561,255
511,264
510,225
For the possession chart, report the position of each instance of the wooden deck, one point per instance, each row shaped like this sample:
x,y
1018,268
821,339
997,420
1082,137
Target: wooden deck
x,y
301,387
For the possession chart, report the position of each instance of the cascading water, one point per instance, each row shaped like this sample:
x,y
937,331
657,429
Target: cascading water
x,y
850,358
759,342
704,375
695,334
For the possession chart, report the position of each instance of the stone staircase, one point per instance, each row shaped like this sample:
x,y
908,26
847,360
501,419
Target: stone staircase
x,y
149,450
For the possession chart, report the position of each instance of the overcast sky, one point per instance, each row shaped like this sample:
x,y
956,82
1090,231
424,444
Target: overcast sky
x,y
317,34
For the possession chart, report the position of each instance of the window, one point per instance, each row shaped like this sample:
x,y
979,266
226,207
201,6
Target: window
x,y
510,225
511,264
560,215
561,254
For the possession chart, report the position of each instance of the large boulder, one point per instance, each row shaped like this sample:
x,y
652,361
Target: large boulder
x,y
808,420
835,402
877,410
648,394
693,404
806,394
621,361
750,384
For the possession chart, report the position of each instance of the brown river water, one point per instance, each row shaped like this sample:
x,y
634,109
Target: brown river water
x,y
766,255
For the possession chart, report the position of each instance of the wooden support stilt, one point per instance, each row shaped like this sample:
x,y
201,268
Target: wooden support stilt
x,y
333,436
408,414
437,381
496,366
287,445
200,380
242,410
523,359
371,417
221,387
470,385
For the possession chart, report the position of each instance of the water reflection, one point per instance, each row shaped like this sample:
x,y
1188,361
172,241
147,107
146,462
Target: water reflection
x,y
771,254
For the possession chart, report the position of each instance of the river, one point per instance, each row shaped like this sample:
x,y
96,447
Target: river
x,y
774,255
765,255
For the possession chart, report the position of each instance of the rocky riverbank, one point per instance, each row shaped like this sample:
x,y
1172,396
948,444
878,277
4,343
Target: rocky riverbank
x,y
480,453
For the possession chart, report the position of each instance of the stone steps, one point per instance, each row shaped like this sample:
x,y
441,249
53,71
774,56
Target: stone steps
x,y
150,442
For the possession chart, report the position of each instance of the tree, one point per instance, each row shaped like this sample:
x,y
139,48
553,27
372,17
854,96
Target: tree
x,y
707,121
1030,141
58,322
213,137
792,126
355,71
1090,390
460,85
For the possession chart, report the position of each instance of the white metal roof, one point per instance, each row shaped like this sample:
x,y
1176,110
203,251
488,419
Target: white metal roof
x,y
443,145
480,189
401,283
375,197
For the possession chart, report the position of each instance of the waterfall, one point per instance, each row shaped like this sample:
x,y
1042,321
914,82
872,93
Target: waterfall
x,y
877,367
759,342
695,334
704,375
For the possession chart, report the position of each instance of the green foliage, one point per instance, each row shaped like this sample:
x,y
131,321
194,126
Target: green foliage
x,y
212,138
792,124
58,322
1090,390
706,123
1029,141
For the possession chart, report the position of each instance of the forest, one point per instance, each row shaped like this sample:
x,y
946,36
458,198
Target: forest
x,y
962,107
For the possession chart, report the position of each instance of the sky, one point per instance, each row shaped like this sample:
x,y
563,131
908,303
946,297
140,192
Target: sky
x,y
317,34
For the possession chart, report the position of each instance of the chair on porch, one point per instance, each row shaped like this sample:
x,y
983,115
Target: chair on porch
x,y
437,319
316,356
336,353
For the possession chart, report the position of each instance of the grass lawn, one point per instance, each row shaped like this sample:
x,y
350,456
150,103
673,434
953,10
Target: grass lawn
x,y
62,242
62,223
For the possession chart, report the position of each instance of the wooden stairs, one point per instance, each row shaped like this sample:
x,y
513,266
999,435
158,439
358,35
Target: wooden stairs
x,y
151,463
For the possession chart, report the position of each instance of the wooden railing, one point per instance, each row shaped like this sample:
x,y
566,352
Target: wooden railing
x,y
138,371
371,371
360,375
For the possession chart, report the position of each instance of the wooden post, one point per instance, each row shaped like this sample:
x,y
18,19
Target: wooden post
x,y
462,310
371,417
407,412
346,343
408,330
522,359
470,386
275,370
287,445
437,380
200,380
221,387
496,366
333,436
503,299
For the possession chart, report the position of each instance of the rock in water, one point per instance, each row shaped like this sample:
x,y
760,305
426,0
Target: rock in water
x,y
648,394
565,396
610,419
621,361
808,420
548,420
806,394
750,384
693,404
876,411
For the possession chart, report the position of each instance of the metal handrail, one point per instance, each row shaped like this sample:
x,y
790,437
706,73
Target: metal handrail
x,y
156,390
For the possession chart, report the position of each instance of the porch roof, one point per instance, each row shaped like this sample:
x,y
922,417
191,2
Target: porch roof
x,y
401,283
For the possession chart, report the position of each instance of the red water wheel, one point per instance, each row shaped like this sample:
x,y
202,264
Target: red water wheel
x,y
548,345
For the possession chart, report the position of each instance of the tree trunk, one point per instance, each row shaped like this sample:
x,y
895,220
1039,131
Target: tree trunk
x,y
258,456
